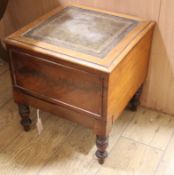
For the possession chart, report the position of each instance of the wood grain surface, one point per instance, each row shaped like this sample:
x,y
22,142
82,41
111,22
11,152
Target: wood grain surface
x,y
140,143
130,72
158,91
54,81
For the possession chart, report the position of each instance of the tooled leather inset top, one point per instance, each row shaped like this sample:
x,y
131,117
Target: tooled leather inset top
x,y
89,32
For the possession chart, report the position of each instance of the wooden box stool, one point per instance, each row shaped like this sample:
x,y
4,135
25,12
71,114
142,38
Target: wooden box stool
x,y
80,63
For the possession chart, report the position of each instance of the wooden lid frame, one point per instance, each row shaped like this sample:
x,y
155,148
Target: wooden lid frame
x,y
106,64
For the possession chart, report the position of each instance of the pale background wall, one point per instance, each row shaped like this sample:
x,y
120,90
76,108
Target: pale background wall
x,y
159,87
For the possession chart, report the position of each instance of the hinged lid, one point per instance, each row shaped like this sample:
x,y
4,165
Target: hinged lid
x,y
78,34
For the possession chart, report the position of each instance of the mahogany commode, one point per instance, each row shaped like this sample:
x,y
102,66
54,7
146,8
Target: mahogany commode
x,y
81,63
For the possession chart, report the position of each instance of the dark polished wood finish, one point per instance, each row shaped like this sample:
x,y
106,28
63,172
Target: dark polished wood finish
x,y
54,81
24,112
91,89
135,101
102,144
3,6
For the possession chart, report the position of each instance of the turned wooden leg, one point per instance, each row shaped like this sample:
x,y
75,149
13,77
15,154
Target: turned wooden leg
x,y
24,112
102,144
135,101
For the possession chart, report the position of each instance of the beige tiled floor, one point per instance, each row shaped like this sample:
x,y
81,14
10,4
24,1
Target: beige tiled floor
x,y
141,143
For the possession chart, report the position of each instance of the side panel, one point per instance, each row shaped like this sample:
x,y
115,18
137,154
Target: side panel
x,y
128,76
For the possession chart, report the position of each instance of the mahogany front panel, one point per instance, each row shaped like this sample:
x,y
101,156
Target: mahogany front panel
x,y
63,85
85,120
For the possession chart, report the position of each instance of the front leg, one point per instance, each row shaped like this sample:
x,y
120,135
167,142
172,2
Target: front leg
x,y
24,112
135,101
102,144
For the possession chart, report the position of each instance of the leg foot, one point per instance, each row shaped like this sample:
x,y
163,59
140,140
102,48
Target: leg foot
x,y
24,112
135,101
102,144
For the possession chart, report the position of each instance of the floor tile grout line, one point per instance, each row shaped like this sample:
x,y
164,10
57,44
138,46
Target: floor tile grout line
x,y
145,143
92,161
2,73
22,131
63,141
133,116
7,146
156,110
164,152
59,145
121,135
129,122
5,103
153,147
16,137
118,138
98,170
122,132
